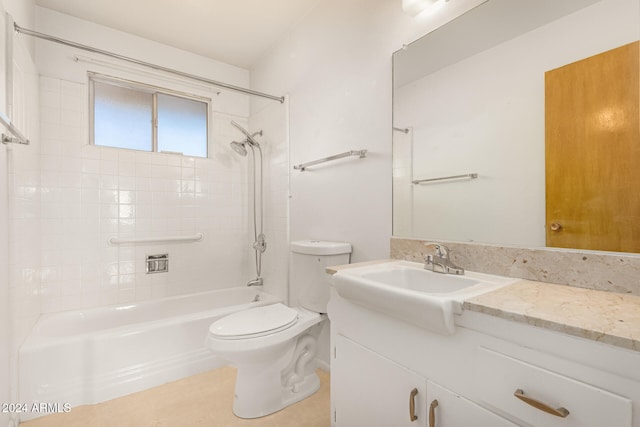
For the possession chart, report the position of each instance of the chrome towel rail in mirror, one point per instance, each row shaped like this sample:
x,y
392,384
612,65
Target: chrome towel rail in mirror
x,y
360,153
444,178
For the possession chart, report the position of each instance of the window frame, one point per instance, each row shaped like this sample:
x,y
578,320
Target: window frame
x,y
154,91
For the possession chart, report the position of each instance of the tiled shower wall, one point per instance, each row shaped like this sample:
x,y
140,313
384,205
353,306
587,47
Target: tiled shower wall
x,y
90,194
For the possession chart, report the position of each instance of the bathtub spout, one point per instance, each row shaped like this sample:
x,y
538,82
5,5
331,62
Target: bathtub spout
x,y
255,282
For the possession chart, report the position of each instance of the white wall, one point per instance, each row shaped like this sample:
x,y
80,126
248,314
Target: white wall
x,y
336,68
485,115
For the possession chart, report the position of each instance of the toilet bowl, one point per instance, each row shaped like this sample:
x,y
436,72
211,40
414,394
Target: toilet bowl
x,y
274,346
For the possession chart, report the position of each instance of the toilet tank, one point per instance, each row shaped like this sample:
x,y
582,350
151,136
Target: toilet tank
x,y
309,259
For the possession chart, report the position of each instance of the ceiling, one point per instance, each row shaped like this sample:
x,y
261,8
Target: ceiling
x,y
237,32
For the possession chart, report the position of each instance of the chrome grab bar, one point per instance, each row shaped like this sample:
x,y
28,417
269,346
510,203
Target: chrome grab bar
x,y
304,166
443,178
173,239
17,137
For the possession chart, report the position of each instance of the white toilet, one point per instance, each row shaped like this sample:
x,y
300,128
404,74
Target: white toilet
x,y
274,346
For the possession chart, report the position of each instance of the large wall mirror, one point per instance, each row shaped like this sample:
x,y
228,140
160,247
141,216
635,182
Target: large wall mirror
x,y
469,115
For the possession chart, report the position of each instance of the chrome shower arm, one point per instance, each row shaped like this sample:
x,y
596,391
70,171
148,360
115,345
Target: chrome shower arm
x,y
247,134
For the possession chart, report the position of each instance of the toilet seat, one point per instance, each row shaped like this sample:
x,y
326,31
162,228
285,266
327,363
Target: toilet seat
x,y
254,322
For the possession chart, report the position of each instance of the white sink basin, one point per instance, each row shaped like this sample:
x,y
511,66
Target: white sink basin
x,y
405,290
419,279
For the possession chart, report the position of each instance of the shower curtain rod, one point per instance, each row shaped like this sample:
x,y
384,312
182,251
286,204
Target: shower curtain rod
x,y
43,36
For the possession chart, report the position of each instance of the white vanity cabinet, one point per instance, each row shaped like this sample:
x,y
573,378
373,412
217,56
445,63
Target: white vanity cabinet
x,y
371,390
490,373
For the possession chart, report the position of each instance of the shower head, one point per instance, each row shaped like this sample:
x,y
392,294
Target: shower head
x,y
250,139
239,147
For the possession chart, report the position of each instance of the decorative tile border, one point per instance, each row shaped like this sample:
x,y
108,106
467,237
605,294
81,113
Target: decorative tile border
x,y
604,271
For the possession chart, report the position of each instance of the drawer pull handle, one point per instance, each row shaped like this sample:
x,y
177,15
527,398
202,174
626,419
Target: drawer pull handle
x,y
560,412
432,413
412,405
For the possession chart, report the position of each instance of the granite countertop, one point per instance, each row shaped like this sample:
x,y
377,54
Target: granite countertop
x,y
607,317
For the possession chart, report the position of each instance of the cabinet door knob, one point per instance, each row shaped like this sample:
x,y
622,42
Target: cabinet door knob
x,y
432,413
412,405
560,412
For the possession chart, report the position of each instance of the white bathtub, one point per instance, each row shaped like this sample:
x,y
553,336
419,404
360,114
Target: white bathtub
x,y
90,356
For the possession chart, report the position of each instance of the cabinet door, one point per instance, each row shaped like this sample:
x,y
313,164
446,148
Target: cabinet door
x,y
448,409
370,390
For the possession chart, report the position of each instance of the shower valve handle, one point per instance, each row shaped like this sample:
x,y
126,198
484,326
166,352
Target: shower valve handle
x,y
260,245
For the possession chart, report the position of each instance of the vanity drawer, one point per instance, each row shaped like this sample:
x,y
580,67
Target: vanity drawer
x,y
500,377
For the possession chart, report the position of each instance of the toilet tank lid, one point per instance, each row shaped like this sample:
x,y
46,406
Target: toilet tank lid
x,y
320,247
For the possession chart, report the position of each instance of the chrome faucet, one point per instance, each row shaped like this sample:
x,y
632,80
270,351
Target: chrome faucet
x,y
255,282
439,261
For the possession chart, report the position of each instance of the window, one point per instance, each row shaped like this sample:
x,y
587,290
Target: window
x,y
142,117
